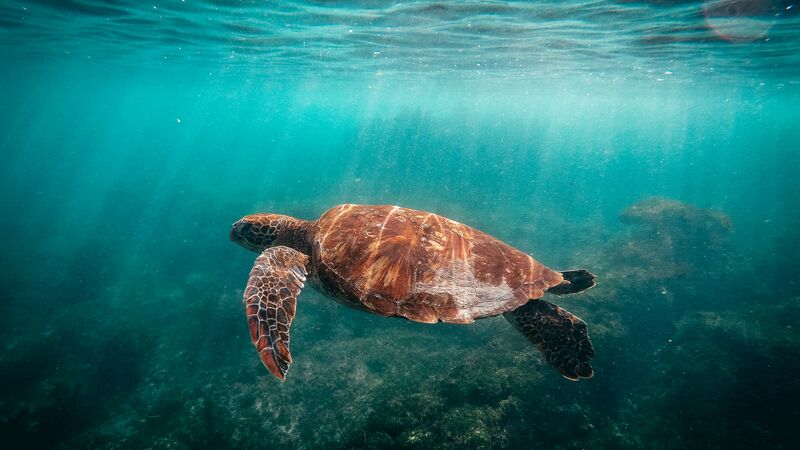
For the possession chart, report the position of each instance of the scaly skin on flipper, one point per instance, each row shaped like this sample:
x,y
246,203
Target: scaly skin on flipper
x,y
270,300
562,337
575,281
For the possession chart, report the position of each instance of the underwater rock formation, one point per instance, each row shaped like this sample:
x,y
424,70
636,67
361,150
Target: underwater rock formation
x,y
671,238
726,370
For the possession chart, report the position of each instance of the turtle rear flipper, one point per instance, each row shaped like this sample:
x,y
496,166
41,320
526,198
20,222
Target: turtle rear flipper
x,y
270,300
574,281
562,337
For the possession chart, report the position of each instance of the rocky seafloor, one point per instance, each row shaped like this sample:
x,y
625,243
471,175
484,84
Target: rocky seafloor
x,y
695,338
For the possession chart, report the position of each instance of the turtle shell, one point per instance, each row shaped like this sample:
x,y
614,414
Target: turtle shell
x,y
397,261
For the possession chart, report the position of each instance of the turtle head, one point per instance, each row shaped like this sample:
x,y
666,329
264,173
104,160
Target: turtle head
x,y
257,232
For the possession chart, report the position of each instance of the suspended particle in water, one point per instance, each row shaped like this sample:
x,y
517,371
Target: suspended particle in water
x,y
178,119
738,20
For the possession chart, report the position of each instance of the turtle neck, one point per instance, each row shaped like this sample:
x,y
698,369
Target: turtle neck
x,y
297,234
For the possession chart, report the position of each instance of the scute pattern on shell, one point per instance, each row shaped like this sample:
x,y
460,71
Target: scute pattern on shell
x,y
270,300
398,261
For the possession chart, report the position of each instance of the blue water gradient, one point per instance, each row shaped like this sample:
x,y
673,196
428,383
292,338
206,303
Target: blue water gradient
x,y
654,143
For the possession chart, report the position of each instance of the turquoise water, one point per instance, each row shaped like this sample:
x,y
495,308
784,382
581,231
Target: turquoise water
x,y
654,143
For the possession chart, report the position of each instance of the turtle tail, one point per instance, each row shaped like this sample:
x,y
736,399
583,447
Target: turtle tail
x,y
574,281
562,337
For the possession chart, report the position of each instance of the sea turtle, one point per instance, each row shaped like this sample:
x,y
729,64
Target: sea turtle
x,y
396,261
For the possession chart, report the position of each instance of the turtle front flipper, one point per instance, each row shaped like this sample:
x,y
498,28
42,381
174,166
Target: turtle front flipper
x,y
562,337
270,300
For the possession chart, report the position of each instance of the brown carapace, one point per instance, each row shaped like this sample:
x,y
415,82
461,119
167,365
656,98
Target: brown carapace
x,y
396,261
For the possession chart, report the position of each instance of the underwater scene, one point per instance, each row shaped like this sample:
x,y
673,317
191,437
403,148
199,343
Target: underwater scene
x,y
653,143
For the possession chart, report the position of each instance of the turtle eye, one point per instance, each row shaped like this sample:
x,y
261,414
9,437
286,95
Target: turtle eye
x,y
245,228
241,228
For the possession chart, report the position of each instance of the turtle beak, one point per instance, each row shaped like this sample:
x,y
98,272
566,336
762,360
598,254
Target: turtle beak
x,y
239,231
236,231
